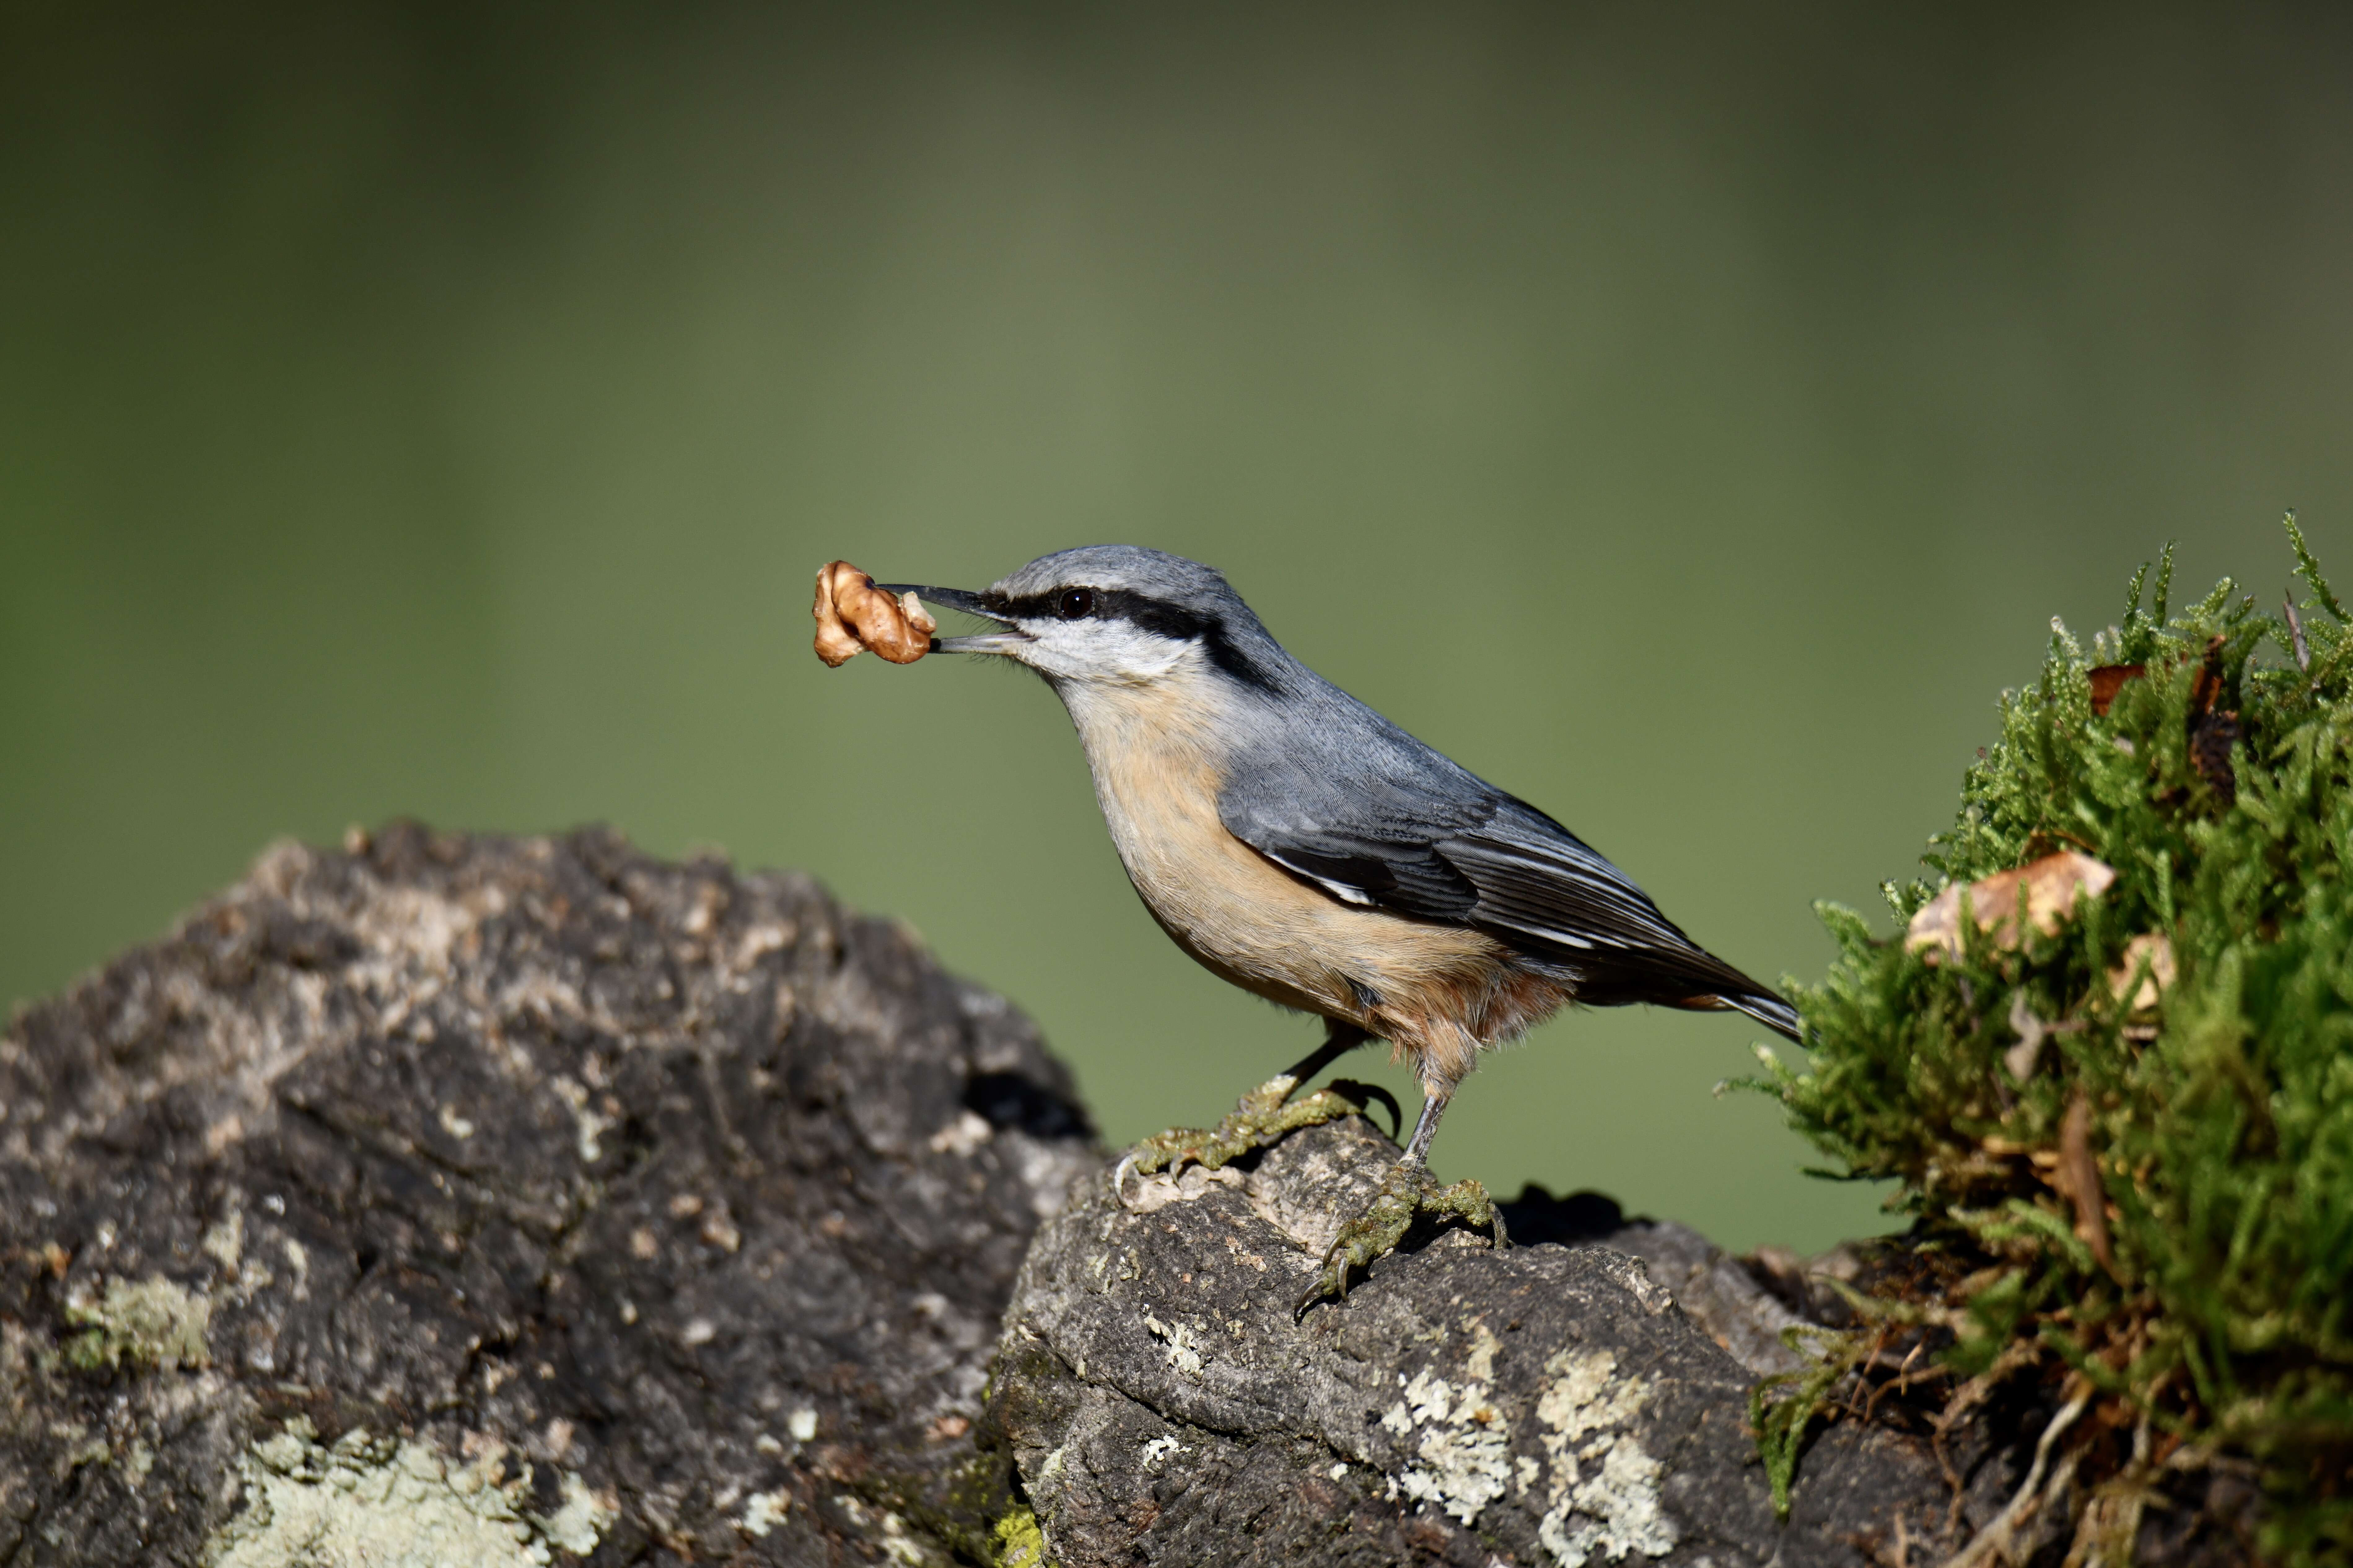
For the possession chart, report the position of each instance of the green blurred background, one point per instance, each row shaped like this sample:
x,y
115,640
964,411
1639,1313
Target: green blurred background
x,y
1686,416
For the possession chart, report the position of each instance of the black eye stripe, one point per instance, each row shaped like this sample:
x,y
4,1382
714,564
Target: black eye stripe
x,y
1139,610
1145,613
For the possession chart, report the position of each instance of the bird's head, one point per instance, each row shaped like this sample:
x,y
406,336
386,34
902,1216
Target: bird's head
x,y
1115,614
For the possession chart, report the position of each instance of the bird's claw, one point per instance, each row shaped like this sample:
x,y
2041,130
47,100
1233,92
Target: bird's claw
x,y
1361,1095
1409,1189
1263,1115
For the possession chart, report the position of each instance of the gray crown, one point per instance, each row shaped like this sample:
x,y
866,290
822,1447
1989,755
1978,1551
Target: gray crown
x,y
1154,574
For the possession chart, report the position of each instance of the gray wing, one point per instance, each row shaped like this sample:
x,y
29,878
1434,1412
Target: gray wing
x,y
1443,845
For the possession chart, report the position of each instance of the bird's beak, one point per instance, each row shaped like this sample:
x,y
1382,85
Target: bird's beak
x,y
963,604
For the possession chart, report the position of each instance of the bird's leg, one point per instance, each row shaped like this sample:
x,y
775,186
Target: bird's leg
x,y
1409,1189
1260,1117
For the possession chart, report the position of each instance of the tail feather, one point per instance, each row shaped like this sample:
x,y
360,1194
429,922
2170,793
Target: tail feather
x,y
1688,978
1768,1010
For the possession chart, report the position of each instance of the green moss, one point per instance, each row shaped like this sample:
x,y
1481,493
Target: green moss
x,y
1781,1406
979,1491
2217,1124
1019,1542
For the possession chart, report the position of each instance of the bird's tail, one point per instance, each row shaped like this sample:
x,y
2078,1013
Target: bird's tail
x,y
1767,1009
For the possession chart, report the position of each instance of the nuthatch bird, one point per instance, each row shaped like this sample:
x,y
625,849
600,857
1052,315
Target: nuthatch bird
x,y
1300,845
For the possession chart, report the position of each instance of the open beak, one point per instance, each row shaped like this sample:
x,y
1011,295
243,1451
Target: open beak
x,y
963,604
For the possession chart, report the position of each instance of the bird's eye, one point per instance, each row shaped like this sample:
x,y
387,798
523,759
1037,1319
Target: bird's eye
x,y
1076,604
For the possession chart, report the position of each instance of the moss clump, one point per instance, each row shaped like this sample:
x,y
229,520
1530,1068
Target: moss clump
x,y
1019,1542
2137,1190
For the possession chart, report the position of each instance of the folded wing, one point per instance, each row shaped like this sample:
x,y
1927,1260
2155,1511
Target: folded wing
x,y
1457,851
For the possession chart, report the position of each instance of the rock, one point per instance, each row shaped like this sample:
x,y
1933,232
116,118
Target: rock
x,y
1565,1401
507,1201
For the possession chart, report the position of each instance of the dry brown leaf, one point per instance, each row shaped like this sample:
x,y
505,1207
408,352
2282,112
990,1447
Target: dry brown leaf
x,y
2211,729
853,615
2078,1181
2107,679
2153,947
2051,886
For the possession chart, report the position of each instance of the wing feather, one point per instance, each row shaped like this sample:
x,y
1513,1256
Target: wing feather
x,y
1547,891
1498,865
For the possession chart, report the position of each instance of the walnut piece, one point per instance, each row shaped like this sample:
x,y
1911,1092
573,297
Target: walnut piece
x,y
853,615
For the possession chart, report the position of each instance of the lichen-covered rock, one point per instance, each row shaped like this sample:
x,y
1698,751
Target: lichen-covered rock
x,y
1550,1403
492,1201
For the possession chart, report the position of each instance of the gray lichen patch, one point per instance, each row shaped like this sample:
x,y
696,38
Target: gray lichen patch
x,y
154,1322
1611,1512
1601,1498
376,1501
763,1512
580,1520
1464,1448
225,1241
1604,1492
1183,1345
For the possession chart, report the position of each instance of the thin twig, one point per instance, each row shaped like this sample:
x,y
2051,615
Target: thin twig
x,y
1995,1537
1970,1395
2295,634
1861,1397
1900,1384
2109,1522
1903,1372
2016,1354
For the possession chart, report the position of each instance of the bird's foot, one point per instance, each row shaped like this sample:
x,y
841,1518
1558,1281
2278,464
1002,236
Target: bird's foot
x,y
1263,1115
1408,1190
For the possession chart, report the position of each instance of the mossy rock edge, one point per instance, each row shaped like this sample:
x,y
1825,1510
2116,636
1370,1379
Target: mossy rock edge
x,y
2125,1136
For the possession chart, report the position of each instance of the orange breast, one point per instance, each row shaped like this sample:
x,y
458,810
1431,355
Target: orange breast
x,y
1437,991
